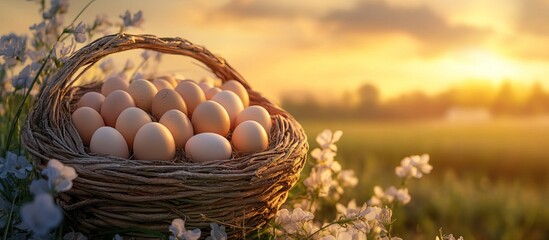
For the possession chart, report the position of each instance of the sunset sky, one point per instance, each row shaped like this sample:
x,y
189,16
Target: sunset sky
x,y
328,47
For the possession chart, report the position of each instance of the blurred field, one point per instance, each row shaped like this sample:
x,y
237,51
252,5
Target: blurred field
x,y
490,180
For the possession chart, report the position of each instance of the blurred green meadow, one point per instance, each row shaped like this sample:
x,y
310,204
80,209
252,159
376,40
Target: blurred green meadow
x,y
490,179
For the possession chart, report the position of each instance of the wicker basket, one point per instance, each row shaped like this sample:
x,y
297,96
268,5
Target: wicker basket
x,y
112,193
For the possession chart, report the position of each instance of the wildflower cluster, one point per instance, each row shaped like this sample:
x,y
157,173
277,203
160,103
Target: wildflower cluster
x,y
180,233
27,205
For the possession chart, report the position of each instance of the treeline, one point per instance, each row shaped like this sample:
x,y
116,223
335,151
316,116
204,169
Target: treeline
x,y
419,105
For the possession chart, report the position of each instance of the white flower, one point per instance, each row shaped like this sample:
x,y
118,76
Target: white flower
x,y
320,180
75,236
291,223
39,186
323,156
389,196
217,232
59,176
79,32
180,233
42,215
326,139
25,78
414,166
135,21
13,48
449,237
361,215
150,53
118,237
347,178
16,165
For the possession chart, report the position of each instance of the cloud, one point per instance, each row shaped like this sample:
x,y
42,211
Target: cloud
x,y
533,17
249,9
420,22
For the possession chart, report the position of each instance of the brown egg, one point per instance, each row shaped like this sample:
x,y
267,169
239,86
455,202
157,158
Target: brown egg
x,y
162,84
205,147
169,78
255,113
212,92
210,116
239,89
108,141
154,141
86,121
165,100
142,92
130,121
91,99
231,102
179,125
205,85
249,136
191,94
114,104
113,83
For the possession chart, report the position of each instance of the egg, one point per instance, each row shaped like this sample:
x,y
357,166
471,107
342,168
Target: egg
x,y
108,141
91,99
205,147
205,85
211,92
210,116
86,121
114,104
154,141
112,84
130,121
142,92
169,78
191,94
239,89
165,100
249,136
258,114
231,102
162,84
179,125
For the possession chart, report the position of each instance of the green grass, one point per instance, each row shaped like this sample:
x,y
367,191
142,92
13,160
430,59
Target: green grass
x,y
490,180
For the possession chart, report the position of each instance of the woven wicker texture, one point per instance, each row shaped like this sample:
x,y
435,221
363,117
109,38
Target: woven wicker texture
x,y
112,193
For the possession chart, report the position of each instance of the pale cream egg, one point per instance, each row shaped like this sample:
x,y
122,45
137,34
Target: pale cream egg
x,y
231,102
239,89
205,147
108,141
211,92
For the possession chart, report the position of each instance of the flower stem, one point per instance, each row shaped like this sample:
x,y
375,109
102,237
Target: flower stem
x,y
330,224
8,222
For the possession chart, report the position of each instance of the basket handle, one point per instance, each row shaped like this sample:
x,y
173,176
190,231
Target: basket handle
x,y
58,85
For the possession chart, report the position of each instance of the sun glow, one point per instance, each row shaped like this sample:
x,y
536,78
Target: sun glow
x,y
486,65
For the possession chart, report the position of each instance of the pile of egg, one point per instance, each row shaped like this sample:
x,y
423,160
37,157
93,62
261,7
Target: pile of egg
x,y
154,118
